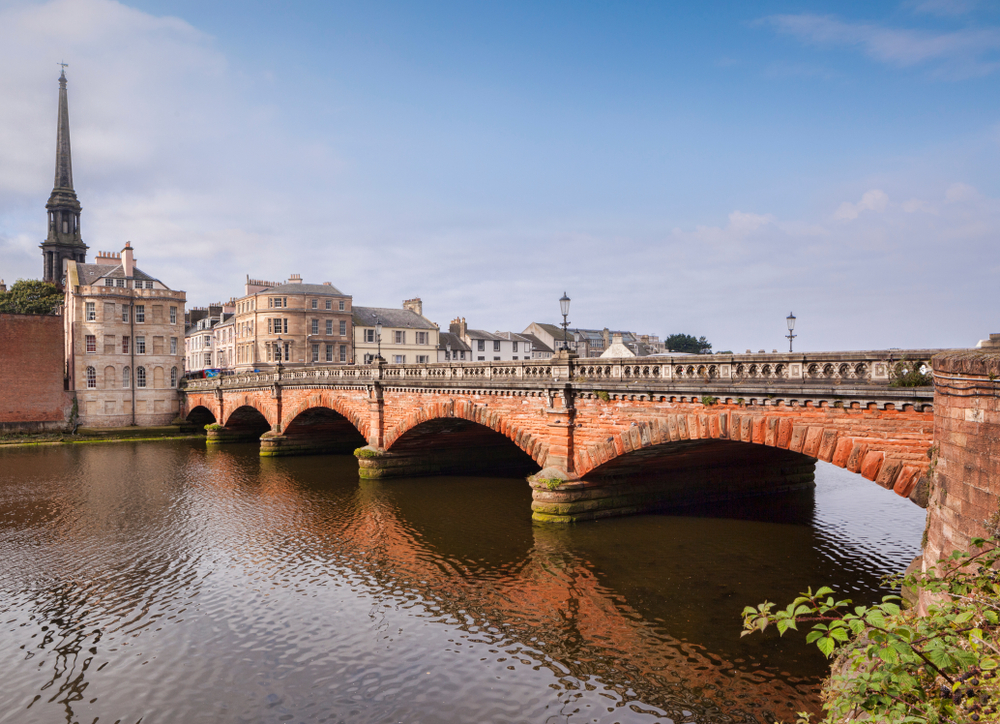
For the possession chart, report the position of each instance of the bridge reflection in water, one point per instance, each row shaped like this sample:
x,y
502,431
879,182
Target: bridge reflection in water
x,y
169,582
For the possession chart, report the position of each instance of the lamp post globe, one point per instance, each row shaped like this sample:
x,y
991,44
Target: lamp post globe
x,y
564,309
278,348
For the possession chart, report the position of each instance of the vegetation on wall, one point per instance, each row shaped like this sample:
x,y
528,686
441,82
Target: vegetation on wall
x,y
892,665
29,296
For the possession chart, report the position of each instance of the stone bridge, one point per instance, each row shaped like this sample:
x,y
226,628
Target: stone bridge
x,y
603,437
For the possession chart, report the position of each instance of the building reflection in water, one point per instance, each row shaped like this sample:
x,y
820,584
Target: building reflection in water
x,y
167,578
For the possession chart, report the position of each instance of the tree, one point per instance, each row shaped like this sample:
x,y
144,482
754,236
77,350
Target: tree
x,y
29,296
688,343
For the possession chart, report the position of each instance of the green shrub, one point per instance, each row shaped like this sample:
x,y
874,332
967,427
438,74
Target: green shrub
x,y
602,395
907,373
895,666
708,400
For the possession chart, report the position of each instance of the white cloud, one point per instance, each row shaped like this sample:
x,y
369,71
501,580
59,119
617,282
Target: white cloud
x,y
959,192
964,53
874,200
914,206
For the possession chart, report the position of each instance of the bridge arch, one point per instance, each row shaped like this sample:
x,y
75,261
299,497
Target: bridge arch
x,y
532,445
347,409
201,416
250,416
892,453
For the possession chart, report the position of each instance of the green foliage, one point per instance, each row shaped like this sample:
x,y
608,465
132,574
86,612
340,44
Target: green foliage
x,y
895,666
602,395
708,400
213,426
367,452
740,401
29,296
908,373
688,343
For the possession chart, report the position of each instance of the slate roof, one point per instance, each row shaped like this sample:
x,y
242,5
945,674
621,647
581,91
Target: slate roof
x,y
315,290
537,345
554,329
399,318
457,345
90,273
481,334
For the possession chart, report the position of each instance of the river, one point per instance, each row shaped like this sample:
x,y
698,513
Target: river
x,y
163,582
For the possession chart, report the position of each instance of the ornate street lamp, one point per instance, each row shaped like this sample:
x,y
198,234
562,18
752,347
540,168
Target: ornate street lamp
x,y
278,347
564,309
791,325
447,351
378,336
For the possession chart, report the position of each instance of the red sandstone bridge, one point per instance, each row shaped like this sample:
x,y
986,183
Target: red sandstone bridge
x,y
607,437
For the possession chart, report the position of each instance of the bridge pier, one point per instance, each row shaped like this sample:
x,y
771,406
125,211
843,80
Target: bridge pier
x,y
692,474
222,435
495,460
274,444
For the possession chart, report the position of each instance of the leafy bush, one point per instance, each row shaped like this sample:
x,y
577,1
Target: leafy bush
x,y
602,395
895,666
708,400
29,296
906,373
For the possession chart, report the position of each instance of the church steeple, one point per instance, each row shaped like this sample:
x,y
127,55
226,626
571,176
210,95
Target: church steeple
x,y
63,240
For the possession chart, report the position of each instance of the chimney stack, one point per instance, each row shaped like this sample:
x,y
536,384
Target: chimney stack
x,y
295,279
128,260
414,305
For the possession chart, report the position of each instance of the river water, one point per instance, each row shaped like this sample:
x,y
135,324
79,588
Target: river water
x,y
163,582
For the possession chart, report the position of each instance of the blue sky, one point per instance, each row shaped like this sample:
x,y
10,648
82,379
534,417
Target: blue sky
x,y
675,167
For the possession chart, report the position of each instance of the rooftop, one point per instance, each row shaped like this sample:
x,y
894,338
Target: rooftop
x,y
400,318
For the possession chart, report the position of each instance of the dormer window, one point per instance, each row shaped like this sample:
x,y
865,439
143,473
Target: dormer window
x,y
120,282
109,282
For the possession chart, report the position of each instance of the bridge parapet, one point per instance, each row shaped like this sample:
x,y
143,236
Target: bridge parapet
x,y
818,368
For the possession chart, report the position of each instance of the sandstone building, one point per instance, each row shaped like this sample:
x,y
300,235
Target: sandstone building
x,y
408,337
124,333
291,324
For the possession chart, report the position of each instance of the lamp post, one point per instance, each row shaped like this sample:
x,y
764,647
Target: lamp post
x,y
564,309
791,326
278,349
447,351
378,336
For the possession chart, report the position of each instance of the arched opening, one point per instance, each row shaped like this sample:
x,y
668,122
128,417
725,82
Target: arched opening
x,y
248,422
322,430
694,472
450,445
200,416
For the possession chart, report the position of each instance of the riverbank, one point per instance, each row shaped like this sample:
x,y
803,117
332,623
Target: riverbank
x,y
86,435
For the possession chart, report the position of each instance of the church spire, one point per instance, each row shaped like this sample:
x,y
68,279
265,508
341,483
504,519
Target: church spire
x,y
63,240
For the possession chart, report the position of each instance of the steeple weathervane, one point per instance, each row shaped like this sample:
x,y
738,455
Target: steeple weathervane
x,y
63,240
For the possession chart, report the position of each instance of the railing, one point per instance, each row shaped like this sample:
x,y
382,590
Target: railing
x,y
854,368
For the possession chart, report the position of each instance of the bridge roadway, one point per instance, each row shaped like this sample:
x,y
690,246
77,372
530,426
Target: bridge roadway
x,y
605,437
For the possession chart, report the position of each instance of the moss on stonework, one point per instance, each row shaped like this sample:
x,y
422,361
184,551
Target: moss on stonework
x,y
367,452
550,483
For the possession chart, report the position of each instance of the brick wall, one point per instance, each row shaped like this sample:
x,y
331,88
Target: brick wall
x,y
966,481
31,373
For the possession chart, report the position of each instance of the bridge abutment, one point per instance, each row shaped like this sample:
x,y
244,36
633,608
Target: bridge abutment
x,y
493,460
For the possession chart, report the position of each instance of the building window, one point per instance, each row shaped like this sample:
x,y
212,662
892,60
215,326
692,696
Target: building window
x,y
480,358
329,304
461,355
149,284
421,337
109,282
329,328
481,345
173,315
140,313
91,311
173,377
399,359
208,359
125,340
422,359
91,378
515,346
315,327
343,353
126,378
399,336
207,338
140,376
125,313
315,353
173,345
91,343
140,345
369,335
315,304
329,353
496,359
341,305
120,282
496,345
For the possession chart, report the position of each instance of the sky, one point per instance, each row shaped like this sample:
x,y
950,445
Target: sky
x,y
675,167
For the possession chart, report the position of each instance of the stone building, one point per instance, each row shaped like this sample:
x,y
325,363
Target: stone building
x,y
124,332
291,324
208,341
452,348
408,337
492,346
